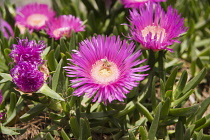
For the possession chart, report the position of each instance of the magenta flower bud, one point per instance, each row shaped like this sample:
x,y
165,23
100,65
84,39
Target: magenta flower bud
x,y
105,68
27,77
29,51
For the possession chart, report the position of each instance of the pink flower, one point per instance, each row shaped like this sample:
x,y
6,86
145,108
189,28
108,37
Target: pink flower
x,y
6,28
137,3
105,68
63,26
34,16
154,28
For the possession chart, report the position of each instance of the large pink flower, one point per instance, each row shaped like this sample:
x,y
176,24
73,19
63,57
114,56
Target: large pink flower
x,y
105,68
34,16
137,3
154,28
63,26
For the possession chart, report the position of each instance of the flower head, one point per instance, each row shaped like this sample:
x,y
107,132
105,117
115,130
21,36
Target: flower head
x,y
137,3
154,28
29,51
64,25
34,15
27,77
6,28
104,68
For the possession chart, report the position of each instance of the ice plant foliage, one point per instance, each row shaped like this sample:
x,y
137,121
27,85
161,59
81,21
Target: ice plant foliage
x,y
154,28
104,68
27,77
137,3
29,51
6,28
63,26
34,15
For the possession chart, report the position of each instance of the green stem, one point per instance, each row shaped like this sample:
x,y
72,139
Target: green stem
x,y
78,109
161,66
151,62
151,59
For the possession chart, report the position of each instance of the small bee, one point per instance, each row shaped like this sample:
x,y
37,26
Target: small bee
x,y
106,63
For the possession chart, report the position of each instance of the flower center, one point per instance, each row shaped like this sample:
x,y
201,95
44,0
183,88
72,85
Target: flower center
x,y
64,31
155,30
37,20
104,72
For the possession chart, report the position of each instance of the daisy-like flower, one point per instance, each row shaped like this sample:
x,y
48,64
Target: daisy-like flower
x,y
105,68
34,15
27,77
154,28
137,3
29,51
63,26
6,28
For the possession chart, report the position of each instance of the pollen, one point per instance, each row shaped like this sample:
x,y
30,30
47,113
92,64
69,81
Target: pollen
x,y
104,72
36,20
154,30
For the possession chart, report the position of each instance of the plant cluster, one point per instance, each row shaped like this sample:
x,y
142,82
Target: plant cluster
x,y
105,69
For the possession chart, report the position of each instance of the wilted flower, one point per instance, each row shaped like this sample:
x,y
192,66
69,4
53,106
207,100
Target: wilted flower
x,y
29,51
154,28
27,77
34,15
104,68
6,28
63,26
137,3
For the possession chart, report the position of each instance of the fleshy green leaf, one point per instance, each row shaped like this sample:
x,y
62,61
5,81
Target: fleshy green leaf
x,y
131,135
143,133
37,109
84,129
165,108
155,122
171,80
181,99
51,61
144,111
49,137
64,135
7,131
195,81
184,111
56,75
75,126
49,92
6,77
